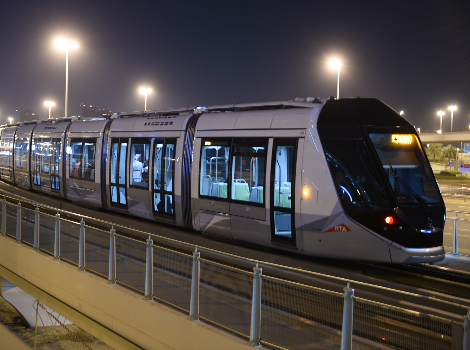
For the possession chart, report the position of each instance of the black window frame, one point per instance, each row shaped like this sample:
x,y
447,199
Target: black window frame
x,y
80,170
119,141
133,140
233,142
161,190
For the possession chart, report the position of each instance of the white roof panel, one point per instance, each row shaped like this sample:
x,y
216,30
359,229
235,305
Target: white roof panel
x,y
25,129
255,120
217,121
9,131
151,123
88,126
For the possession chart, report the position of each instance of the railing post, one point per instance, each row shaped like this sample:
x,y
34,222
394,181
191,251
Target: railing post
x,y
255,327
348,311
36,229
149,271
466,333
456,235
194,306
18,223
57,238
4,216
112,256
81,247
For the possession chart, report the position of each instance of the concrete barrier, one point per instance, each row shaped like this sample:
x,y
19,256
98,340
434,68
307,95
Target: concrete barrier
x,y
121,318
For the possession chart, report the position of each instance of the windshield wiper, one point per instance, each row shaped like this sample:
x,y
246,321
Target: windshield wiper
x,y
395,177
415,195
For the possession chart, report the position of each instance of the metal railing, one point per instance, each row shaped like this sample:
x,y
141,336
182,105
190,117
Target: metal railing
x,y
264,309
457,234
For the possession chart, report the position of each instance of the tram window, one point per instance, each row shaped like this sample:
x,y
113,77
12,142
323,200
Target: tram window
x,y
215,155
45,156
21,152
75,158
157,160
114,159
249,169
283,176
169,162
55,158
122,166
88,160
140,154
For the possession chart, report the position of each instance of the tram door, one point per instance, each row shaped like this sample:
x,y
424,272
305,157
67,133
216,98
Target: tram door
x,y
283,190
118,172
163,176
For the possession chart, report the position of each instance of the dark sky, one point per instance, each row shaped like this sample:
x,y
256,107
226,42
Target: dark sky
x,y
413,55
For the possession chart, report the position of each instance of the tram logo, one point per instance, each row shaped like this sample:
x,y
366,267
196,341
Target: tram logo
x,y
338,228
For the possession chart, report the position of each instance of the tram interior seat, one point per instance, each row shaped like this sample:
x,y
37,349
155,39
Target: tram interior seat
x,y
257,194
283,195
240,190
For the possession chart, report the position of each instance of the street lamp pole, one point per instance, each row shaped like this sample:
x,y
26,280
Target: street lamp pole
x,y
452,109
50,104
441,113
66,44
336,64
145,91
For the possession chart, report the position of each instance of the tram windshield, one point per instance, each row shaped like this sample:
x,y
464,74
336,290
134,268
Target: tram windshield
x,y
406,168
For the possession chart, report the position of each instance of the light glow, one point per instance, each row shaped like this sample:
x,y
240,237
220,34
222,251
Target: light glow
x,y
207,143
389,220
62,43
335,63
402,139
305,192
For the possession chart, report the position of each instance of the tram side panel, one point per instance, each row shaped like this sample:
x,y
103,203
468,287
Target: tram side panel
x,y
7,154
327,230
143,171
22,155
83,155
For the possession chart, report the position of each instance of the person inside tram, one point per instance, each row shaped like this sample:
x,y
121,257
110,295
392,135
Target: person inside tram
x,y
137,169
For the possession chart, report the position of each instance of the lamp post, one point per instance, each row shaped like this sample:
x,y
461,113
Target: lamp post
x,y
336,64
49,104
66,44
452,109
145,91
441,113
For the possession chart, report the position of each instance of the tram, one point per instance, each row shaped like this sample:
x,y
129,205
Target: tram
x,y
344,179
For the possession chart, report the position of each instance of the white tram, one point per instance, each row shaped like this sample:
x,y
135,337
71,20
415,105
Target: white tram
x,y
341,179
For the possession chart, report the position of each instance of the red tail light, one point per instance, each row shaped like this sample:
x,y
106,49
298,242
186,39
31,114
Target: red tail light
x,y
389,220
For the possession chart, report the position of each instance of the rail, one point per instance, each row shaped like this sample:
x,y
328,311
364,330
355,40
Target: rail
x,y
266,310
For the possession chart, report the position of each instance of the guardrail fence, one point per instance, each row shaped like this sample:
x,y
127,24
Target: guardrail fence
x,y
265,310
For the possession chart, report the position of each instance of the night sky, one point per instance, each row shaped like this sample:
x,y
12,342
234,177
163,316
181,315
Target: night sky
x,y
413,55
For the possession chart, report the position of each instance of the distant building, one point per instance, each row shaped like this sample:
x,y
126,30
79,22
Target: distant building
x,y
27,115
93,111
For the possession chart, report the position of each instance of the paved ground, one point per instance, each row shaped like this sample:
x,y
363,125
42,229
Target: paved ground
x,y
47,338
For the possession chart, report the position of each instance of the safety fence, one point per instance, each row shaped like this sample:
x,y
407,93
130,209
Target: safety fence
x,y
266,310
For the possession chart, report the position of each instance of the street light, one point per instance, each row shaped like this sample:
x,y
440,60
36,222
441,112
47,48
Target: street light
x,y
145,91
441,113
336,64
10,119
452,109
49,104
401,112
62,44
